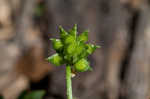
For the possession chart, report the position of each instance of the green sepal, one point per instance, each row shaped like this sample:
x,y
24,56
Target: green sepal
x,y
56,59
83,36
57,44
73,31
91,48
63,33
82,65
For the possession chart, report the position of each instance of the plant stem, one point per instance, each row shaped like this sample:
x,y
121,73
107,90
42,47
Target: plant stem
x,y
68,82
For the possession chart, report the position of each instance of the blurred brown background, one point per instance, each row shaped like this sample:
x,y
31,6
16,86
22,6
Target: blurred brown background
x,y
121,68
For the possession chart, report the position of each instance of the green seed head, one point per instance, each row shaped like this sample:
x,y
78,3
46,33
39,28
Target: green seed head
x,y
72,49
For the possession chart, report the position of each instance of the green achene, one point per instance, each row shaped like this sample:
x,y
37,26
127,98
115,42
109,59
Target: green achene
x,y
57,44
72,50
82,65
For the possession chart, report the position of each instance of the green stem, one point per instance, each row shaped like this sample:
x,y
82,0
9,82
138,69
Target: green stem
x,y
68,81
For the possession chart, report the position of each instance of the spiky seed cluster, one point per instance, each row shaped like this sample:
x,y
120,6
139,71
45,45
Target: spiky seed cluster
x,y
72,50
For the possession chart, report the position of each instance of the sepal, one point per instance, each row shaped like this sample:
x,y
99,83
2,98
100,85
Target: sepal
x,y
83,37
56,59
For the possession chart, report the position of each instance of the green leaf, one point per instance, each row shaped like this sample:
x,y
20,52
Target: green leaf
x,y
91,48
57,44
35,95
63,33
82,65
56,59
83,36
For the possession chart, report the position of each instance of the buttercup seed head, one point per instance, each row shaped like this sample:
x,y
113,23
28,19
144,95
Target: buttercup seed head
x,y
72,50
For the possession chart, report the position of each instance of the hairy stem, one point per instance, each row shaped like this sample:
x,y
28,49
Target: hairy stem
x,y
68,82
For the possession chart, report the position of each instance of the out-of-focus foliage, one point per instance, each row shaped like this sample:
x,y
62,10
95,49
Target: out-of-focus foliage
x,y
32,95
1,97
39,11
